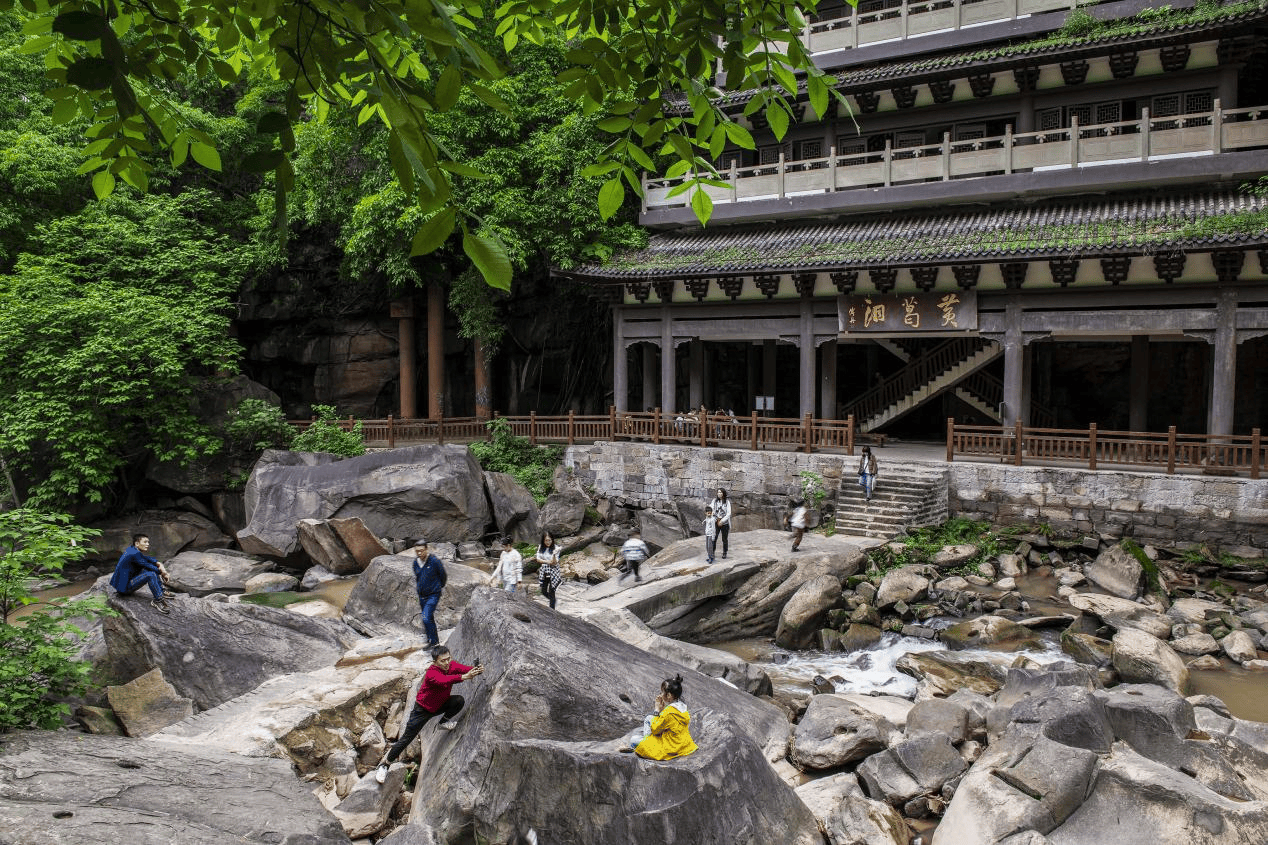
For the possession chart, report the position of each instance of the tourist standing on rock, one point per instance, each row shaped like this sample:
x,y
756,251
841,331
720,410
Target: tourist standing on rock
x,y
429,579
867,472
722,513
136,569
710,534
796,521
634,551
510,568
666,735
549,576
434,698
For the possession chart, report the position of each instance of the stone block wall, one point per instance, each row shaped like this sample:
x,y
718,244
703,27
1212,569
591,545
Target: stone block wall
x,y
1148,507
649,476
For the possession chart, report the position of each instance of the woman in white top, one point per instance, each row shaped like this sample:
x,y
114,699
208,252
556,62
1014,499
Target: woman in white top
x,y
510,568
722,513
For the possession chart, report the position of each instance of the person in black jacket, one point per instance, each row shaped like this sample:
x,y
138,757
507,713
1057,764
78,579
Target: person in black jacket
x,y
429,579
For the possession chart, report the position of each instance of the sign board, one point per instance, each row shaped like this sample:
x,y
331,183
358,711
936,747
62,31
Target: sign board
x,y
908,313
764,403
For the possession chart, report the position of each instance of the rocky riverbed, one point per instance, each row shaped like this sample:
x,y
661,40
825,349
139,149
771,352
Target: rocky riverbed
x,y
1039,691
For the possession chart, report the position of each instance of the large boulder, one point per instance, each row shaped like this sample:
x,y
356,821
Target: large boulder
x,y
147,704
753,609
941,673
835,731
63,787
539,742
213,651
661,530
563,513
915,766
514,510
804,613
1140,658
994,632
384,602
319,541
214,571
1120,613
848,817
1117,572
431,491
170,533
906,583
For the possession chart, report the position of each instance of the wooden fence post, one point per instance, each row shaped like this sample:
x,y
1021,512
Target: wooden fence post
x,y
612,423
391,432
752,430
950,439
1017,443
1091,446
849,435
572,426
807,426
1254,452
440,429
704,429
1171,449
656,426
532,427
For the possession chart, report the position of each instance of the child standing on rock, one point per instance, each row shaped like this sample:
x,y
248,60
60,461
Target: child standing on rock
x,y
510,568
710,534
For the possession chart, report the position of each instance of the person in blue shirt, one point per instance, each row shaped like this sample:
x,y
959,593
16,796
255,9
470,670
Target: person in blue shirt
x,y
429,579
136,569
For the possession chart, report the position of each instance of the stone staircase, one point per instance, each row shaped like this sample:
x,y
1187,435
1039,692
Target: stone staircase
x,y
907,495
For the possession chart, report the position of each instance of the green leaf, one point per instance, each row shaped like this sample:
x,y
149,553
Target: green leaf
x,y
103,184
263,161
777,118
490,258
739,136
448,87
91,73
64,111
271,123
206,155
702,205
433,234
611,195
615,124
80,26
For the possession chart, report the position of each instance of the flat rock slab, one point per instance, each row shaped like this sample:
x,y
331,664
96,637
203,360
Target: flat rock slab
x,y
673,586
62,788
214,571
383,602
148,704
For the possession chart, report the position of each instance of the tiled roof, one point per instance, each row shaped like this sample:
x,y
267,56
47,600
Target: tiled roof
x,y
1053,229
1130,33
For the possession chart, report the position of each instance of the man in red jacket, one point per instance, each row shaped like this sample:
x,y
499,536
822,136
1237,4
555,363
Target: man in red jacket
x,y
435,698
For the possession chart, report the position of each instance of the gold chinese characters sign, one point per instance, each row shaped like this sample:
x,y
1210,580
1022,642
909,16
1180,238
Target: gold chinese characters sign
x,y
899,313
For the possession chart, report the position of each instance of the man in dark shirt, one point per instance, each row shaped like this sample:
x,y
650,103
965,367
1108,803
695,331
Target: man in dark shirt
x,y
429,580
136,569
434,698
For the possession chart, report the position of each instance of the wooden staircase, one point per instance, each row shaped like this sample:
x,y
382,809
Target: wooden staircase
x,y
906,495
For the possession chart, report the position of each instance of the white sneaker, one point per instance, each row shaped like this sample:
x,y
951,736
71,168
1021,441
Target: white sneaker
x,y
447,726
380,774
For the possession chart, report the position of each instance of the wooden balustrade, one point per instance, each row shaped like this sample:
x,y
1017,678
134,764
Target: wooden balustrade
x,y
1144,139
1093,447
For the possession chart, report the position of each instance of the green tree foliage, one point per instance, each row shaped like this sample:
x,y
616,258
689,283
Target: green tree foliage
x,y
532,466
647,69
256,425
37,665
327,433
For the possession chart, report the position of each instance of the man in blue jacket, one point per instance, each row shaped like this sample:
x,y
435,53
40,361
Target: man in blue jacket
x,y
136,569
429,579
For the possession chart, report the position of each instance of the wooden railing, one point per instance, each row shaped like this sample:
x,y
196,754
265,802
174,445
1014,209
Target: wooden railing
x,y
1200,133
753,432
1217,454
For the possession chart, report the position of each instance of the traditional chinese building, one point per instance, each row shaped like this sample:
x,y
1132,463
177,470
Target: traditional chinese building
x,y
1025,216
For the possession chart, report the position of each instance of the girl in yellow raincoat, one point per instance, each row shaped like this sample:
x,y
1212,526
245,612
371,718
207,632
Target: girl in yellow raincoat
x,y
665,735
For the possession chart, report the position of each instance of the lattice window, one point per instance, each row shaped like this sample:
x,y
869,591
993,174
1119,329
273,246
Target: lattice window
x,y
852,146
1046,119
970,131
909,138
811,148
1197,102
1164,105
1083,113
769,155
1109,112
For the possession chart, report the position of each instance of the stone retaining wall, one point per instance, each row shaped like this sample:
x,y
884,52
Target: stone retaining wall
x,y
1225,513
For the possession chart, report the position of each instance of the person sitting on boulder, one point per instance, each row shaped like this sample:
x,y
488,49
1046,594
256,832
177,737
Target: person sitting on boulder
x,y
434,698
666,735
429,580
136,569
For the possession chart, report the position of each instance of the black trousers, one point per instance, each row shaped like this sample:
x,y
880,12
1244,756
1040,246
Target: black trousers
x,y
419,717
549,593
724,534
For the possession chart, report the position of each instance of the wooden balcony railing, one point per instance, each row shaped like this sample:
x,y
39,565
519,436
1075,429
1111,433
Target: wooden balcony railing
x,y
807,434
1200,133
1216,454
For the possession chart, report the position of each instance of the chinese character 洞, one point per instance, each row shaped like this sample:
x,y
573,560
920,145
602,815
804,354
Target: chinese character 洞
x,y
873,313
910,317
947,304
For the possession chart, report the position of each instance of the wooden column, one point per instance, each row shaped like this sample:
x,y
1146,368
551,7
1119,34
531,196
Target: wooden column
x,y
1014,364
435,351
620,363
649,378
807,367
828,381
768,368
668,391
695,375
403,311
1138,399
483,397
1223,364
